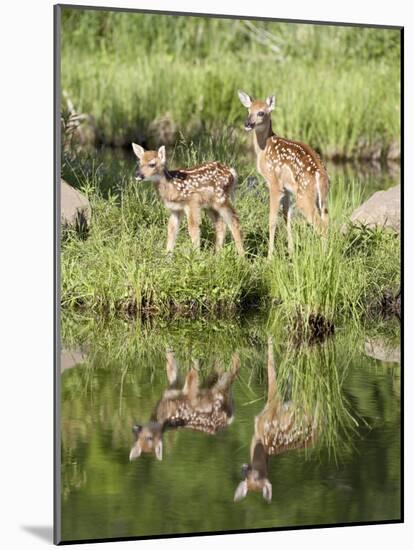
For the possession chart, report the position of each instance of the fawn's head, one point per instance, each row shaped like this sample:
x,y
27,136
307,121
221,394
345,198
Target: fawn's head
x,y
254,480
148,440
259,111
151,164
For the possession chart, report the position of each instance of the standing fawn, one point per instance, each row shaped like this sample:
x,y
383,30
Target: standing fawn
x,y
281,426
289,168
207,409
210,186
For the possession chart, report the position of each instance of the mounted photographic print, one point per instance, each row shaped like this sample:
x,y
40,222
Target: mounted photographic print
x,y
228,274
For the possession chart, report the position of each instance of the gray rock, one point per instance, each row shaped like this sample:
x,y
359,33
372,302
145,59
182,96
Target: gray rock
x,y
394,152
70,358
379,349
382,209
74,206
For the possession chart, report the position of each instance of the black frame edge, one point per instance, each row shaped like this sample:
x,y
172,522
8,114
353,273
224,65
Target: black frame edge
x,y
229,16
56,276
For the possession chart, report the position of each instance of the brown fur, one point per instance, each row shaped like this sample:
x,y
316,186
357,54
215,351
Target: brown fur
x,y
206,409
209,186
280,427
289,168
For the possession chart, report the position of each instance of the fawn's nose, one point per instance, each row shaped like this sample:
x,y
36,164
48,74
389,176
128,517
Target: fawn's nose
x,y
248,125
138,175
245,470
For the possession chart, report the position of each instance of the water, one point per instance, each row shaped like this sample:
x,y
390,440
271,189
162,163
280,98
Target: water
x,y
115,375
112,169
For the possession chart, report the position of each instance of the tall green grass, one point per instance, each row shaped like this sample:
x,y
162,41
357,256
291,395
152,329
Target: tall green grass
x,y
149,78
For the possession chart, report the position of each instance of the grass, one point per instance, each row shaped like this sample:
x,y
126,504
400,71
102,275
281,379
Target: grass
x,y
339,280
122,268
160,79
151,78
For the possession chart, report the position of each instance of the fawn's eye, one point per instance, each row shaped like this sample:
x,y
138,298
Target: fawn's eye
x,y
260,113
152,164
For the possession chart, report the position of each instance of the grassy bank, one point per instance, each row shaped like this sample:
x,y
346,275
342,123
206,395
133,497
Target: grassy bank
x,y
152,78
121,268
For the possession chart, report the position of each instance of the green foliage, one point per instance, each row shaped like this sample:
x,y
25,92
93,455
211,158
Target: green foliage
x,y
204,37
337,88
337,278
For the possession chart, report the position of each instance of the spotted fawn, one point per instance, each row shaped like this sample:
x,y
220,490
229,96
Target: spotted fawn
x,y
206,408
281,426
209,186
290,168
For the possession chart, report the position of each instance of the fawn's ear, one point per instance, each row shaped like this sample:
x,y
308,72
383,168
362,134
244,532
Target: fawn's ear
x,y
135,451
158,450
138,150
136,429
271,102
245,99
161,154
241,491
267,491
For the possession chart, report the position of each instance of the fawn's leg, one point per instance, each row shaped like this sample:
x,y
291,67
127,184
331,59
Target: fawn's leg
x,y
324,218
173,226
172,369
235,364
229,215
307,205
213,375
191,384
226,379
325,221
275,194
287,214
220,228
194,217
322,191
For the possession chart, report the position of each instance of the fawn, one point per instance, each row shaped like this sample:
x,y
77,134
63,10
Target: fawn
x,y
206,409
209,186
281,426
289,168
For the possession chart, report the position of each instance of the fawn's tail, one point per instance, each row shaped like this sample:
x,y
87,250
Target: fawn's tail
x,y
234,182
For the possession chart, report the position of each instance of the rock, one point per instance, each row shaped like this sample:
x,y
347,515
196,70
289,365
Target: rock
x,y
394,152
378,349
70,358
382,209
386,305
74,206
163,130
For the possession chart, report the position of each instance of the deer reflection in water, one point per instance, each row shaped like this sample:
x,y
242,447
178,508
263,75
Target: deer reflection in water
x,y
281,426
202,407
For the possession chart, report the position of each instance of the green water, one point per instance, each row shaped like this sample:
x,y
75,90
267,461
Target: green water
x,y
350,474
